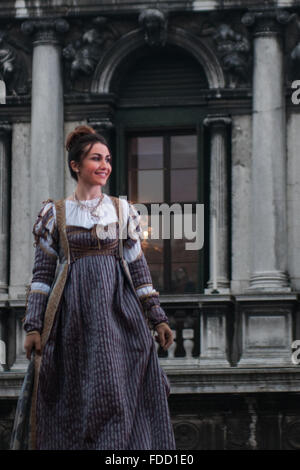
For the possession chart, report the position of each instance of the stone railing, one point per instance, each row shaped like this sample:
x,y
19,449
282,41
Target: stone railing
x,y
228,364
213,334
222,331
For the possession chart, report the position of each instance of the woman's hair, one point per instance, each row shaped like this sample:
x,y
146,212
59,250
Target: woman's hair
x,y
79,142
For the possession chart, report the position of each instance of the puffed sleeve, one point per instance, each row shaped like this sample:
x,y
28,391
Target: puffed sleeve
x,y
46,242
139,269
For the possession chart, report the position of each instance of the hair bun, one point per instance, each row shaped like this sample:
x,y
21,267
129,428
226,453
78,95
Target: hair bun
x,y
74,136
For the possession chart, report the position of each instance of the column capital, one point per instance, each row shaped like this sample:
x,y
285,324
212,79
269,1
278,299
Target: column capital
x,y
217,120
267,22
104,127
45,31
101,125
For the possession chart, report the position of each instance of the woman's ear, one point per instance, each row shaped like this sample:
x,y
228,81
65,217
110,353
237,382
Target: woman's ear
x,y
74,166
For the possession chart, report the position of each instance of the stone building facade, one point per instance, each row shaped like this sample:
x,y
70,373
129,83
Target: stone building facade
x,y
206,91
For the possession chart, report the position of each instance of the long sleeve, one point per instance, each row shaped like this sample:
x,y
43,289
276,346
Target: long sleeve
x,y
139,270
46,254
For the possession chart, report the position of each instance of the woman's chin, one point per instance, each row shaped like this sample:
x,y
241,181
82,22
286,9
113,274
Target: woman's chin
x,y
99,181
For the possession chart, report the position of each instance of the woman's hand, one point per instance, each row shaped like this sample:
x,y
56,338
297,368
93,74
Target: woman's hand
x,y
165,335
33,340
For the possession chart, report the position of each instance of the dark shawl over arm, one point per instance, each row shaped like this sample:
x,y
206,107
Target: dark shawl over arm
x,y
46,255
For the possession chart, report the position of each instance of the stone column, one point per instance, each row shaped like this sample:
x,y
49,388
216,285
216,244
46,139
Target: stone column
x,y
21,238
218,230
269,229
47,113
5,129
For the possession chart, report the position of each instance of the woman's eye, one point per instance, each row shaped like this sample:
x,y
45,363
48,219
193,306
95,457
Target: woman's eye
x,y
108,159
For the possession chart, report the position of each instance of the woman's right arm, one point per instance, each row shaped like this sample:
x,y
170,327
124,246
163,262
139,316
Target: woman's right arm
x,y
46,236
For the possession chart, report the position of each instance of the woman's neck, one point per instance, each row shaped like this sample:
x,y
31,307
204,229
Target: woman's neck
x,y
84,194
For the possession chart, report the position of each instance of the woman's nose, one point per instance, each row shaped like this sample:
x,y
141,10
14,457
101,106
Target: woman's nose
x,y
103,165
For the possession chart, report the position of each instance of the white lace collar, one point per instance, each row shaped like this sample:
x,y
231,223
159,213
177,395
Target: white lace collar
x,y
77,216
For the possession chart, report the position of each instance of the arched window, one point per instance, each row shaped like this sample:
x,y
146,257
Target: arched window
x,y
161,105
165,75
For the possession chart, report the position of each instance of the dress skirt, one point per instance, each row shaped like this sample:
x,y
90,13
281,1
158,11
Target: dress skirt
x,y
101,385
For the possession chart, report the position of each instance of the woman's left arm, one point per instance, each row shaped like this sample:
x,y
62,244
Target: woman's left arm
x,y
142,279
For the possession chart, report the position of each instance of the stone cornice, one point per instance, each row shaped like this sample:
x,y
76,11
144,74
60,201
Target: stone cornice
x,y
186,379
70,8
193,379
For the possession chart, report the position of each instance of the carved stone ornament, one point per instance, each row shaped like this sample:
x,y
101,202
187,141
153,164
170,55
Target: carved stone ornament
x,y
83,53
292,434
187,435
5,433
154,24
13,67
234,51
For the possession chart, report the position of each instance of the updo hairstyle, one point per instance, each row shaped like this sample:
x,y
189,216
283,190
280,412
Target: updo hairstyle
x,y
79,142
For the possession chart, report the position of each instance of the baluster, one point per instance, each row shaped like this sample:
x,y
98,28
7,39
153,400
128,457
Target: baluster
x,y
188,341
2,355
171,350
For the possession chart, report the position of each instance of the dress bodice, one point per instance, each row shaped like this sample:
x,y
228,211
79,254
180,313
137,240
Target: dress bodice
x,y
81,227
85,241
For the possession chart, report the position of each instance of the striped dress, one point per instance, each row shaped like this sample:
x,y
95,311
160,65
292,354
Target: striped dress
x,y
100,382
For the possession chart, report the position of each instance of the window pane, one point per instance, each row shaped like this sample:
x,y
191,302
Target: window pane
x,y
145,153
153,250
179,253
184,151
184,277
148,184
184,265
183,185
147,176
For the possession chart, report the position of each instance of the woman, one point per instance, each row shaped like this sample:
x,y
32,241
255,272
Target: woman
x,y
98,382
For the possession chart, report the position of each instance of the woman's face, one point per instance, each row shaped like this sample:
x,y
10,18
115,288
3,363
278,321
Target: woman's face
x,y
95,168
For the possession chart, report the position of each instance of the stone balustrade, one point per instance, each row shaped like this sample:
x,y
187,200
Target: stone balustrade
x,y
210,332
